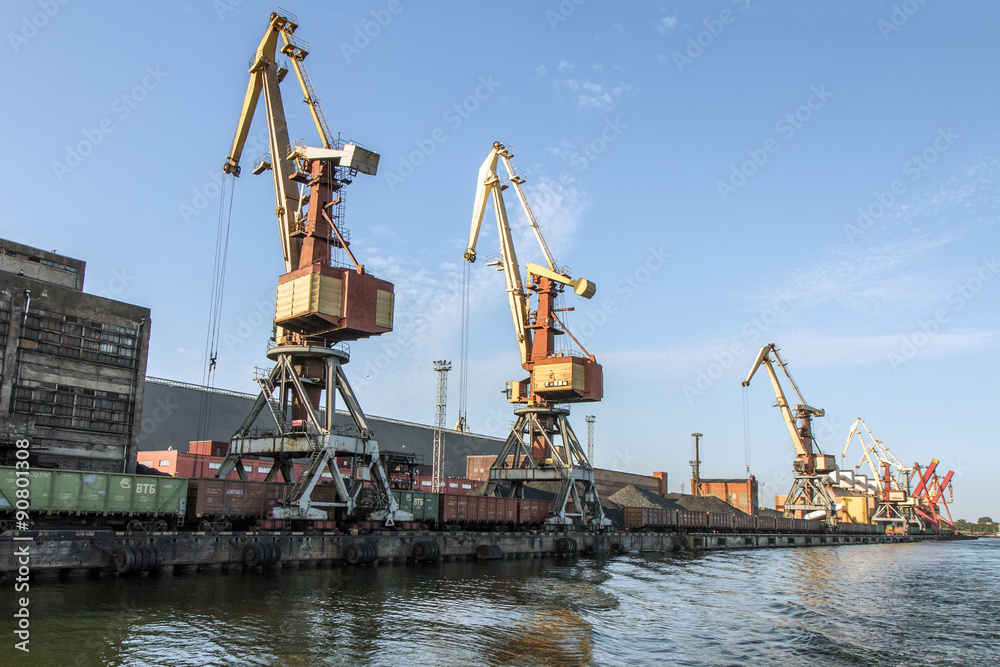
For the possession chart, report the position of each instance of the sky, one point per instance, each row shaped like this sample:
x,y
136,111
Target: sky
x,y
818,175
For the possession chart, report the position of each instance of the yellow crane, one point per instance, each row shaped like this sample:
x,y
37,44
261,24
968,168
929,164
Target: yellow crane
x,y
320,304
810,494
542,446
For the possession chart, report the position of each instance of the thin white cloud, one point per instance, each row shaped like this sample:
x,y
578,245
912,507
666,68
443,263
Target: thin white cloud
x,y
593,95
666,24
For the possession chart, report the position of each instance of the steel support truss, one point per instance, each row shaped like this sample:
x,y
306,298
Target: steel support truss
x,y
285,390
810,493
577,501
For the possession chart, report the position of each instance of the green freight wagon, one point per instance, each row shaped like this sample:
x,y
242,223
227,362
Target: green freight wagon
x,y
423,505
80,493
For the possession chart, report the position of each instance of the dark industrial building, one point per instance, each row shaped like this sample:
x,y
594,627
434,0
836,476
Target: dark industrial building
x,y
176,413
72,365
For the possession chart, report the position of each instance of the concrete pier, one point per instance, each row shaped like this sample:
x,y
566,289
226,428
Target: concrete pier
x,y
78,553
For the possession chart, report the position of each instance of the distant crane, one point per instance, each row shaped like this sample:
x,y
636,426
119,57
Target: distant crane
x,y
542,444
441,367
930,491
891,477
810,492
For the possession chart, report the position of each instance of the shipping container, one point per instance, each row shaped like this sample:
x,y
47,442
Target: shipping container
x,y
78,492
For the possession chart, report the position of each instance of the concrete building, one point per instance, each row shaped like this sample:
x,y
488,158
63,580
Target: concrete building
x,y
176,413
72,365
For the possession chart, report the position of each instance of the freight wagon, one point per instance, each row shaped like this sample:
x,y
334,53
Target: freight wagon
x,y
75,497
486,512
221,504
654,518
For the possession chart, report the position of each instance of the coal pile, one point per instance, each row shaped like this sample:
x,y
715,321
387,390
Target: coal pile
x,y
706,504
634,496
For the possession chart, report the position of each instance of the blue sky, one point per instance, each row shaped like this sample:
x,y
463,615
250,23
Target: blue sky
x,y
818,175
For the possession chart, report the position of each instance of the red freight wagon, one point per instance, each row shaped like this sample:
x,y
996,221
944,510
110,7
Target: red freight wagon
x,y
632,517
767,524
235,500
718,521
507,510
482,505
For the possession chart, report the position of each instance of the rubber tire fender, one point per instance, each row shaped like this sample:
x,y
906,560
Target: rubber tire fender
x,y
355,554
254,554
141,558
123,558
154,557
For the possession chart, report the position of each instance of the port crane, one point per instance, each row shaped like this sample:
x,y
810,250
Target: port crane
x,y
810,493
320,303
892,478
929,492
542,446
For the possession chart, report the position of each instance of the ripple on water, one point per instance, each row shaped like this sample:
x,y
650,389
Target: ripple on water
x,y
859,605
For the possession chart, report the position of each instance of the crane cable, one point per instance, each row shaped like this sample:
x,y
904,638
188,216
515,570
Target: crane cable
x,y
746,427
463,368
214,329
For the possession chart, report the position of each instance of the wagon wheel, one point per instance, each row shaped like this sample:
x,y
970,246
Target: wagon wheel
x,y
161,526
205,526
226,525
136,526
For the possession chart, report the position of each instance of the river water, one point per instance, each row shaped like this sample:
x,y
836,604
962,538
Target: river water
x,y
893,604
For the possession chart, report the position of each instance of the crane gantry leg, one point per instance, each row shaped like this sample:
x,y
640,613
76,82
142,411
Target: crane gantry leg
x,y
542,447
300,434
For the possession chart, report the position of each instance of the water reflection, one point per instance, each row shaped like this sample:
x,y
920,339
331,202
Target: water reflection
x,y
867,605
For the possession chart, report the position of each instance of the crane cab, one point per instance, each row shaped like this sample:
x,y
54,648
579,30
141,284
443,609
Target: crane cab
x,y
568,379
